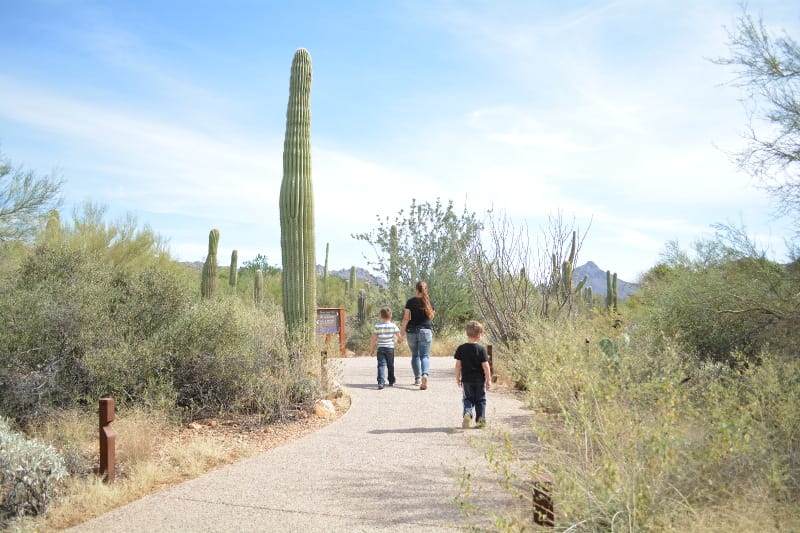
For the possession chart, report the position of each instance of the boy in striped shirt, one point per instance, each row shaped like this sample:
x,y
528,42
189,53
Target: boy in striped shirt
x,y
383,336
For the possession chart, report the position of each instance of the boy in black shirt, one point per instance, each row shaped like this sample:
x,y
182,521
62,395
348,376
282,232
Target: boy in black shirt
x,y
473,375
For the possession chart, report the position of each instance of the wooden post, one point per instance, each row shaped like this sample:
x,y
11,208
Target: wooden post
x,y
342,334
107,439
543,511
491,362
323,361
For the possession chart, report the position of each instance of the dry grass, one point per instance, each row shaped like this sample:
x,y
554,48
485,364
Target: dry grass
x,y
153,452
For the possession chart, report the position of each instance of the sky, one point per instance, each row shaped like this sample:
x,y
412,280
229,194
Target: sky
x,y
610,113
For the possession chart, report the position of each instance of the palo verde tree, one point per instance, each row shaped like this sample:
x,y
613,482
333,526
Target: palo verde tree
x,y
768,68
297,205
25,200
424,245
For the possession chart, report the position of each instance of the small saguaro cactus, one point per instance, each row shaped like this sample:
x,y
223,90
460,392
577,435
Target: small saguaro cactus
x,y
298,281
362,307
52,231
233,277
258,283
353,278
325,272
208,283
567,290
611,291
394,257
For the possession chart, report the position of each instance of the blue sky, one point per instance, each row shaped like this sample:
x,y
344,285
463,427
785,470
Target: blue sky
x,y
608,112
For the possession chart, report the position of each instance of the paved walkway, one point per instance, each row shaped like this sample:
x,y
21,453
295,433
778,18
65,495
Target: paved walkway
x,y
393,462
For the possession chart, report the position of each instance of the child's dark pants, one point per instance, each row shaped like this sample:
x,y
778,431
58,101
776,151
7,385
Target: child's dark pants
x,y
385,361
475,395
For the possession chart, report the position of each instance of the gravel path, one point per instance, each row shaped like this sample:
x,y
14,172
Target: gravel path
x,y
393,462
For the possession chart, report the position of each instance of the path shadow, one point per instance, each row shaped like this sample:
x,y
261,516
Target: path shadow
x,y
413,430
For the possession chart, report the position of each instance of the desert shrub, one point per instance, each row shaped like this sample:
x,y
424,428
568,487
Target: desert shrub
x,y
725,298
29,474
647,438
222,356
56,308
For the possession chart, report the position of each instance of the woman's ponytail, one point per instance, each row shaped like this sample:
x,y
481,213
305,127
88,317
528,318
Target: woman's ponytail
x,y
422,289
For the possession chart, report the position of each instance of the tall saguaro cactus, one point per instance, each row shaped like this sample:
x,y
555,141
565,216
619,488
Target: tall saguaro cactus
x,y
208,283
297,205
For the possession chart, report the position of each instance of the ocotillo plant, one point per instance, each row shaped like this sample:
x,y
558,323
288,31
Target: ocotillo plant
x,y
297,205
208,283
258,282
233,277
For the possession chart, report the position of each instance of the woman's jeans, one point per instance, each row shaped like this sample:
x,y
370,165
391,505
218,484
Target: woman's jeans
x,y
419,343
475,396
385,361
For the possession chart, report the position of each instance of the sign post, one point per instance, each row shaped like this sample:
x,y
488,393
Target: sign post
x,y
330,320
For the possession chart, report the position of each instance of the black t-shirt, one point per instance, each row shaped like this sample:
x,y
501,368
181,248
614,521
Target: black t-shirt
x,y
472,355
418,320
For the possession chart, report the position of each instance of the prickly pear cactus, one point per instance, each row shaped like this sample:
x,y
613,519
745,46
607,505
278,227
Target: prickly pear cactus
x,y
297,205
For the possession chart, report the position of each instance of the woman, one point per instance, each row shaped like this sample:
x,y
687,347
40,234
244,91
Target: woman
x,y
418,327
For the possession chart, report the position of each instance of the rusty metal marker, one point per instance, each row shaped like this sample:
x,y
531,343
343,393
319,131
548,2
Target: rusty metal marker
x,y
107,439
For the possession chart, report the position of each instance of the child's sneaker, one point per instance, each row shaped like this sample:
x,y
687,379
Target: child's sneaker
x,y
466,421
416,381
480,423
424,383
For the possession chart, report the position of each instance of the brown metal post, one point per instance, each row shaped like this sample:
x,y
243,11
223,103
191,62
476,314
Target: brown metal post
x,y
107,439
543,511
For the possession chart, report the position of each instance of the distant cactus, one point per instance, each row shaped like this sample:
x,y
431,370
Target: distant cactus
x,y
208,283
394,258
297,205
352,278
362,307
234,274
611,291
52,231
258,283
325,272
565,281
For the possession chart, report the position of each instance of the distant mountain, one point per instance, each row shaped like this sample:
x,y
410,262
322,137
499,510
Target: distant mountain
x,y
361,275
597,281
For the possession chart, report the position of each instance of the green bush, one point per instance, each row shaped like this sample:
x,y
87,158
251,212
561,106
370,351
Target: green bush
x,y
29,474
649,438
727,298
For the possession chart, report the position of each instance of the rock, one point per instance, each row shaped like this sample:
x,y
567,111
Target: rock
x,y
324,409
212,423
194,426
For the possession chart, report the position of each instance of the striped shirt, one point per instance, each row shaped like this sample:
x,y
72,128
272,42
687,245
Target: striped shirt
x,y
385,331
